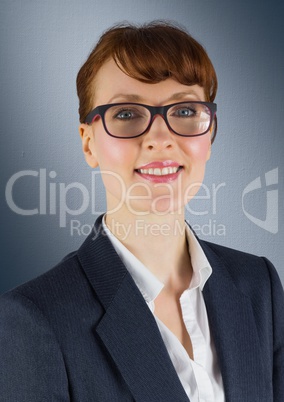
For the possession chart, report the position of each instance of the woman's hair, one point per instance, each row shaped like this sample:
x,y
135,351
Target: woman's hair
x,y
149,53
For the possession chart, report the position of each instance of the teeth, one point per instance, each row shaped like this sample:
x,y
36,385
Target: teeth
x,y
159,172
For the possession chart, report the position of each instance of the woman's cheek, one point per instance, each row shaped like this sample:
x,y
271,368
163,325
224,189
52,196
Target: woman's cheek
x,y
111,153
199,148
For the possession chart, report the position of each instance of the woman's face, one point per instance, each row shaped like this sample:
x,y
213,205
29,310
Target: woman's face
x,y
128,189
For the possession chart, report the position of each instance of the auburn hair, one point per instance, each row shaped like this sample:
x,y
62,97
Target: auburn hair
x,y
149,53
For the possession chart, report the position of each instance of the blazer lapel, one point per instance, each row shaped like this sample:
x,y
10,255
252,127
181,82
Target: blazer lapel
x,y
234,332
128,328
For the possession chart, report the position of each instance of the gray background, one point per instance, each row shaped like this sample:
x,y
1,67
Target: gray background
x,y
44,43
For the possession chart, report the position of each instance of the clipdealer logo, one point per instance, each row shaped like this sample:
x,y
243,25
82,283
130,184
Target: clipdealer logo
x,y
270,222
53,198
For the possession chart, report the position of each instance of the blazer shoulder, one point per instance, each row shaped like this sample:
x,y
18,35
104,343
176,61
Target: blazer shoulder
x,y
53,286
247,270
229,253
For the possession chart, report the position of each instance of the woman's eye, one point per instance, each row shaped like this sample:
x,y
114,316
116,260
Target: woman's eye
x,y
184,112
125,115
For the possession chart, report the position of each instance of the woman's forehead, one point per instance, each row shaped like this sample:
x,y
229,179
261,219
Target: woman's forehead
x,y
113,85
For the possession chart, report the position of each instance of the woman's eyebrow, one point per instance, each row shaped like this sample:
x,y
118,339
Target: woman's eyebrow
x,y
182,95
137,98
127,97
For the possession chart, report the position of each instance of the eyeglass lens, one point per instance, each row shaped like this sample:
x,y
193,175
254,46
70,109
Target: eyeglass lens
x,y
131,120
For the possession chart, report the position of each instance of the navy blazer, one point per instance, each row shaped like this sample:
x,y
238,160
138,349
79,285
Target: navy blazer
x,y
82,332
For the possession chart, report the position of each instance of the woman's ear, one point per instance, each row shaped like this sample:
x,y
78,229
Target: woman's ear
x,y
88,145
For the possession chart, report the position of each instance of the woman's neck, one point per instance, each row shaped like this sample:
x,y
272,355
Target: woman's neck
x,y
159,242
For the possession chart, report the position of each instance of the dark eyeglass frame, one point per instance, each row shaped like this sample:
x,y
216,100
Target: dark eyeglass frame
x,y
154,111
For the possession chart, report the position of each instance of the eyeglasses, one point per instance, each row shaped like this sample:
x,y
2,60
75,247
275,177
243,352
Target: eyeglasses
x,y
130,120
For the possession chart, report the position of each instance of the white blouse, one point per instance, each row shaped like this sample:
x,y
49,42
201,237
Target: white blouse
x,y
201,377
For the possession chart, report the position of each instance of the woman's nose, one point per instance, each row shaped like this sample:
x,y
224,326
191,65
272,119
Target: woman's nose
x,y
159,136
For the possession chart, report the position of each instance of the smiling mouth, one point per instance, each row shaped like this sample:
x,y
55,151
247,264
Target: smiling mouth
x,y
165,171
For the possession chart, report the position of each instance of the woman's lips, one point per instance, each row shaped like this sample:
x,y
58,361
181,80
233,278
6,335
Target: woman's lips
x,y
158,172
159,165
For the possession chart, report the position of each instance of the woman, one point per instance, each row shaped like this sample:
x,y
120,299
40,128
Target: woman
x,y
144,310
